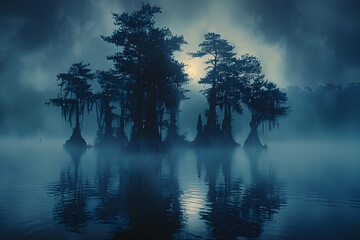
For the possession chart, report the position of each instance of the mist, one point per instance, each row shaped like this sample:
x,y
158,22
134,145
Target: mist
x,y
181,119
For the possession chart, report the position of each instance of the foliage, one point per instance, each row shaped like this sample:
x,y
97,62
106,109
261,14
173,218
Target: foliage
x,y
75,92
146,58
146,83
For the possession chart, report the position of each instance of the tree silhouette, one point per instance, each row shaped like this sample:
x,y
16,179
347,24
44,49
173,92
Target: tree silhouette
x,y
221,57
74,96
232,87
265,102
146,57
113,92
333,104
172,95
147,85
199,129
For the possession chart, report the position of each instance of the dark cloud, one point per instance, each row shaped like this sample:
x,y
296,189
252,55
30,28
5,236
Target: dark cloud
x,y
275,19
185,10
42,21
320,37
35,36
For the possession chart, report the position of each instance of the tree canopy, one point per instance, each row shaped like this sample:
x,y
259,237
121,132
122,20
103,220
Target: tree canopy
x,y
146,58
75,96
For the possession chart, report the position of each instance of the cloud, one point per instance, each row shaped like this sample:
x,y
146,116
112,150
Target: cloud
x,y
38,40
319,37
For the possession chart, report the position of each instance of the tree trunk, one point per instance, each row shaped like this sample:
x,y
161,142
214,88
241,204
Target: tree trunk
x,y
145,135
151,126
77,124
76,140
122,121
138,113
108,120
226,124
173,131
253,140
173,137
211,118
121,132
136,137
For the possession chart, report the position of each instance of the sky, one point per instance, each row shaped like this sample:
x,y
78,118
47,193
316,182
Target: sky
x,y
303,43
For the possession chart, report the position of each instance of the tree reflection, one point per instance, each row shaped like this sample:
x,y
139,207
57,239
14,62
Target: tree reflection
x,y
236,209
137,195
151,199
109,207
71,193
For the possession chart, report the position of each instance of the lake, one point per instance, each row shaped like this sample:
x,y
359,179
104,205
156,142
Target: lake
x,y
293,190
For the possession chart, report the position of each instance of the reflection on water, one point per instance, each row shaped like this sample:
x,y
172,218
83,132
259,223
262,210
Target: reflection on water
x,y
184,194
72,194
136,200
236,208
140,197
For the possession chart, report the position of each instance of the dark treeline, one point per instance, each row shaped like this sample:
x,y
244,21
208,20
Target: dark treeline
x,y
146,85
328,108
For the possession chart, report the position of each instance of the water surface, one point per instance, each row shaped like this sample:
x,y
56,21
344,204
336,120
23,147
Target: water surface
x,y
294,190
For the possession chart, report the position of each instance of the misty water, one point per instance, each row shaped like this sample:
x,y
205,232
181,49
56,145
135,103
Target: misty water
x,y
293,190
